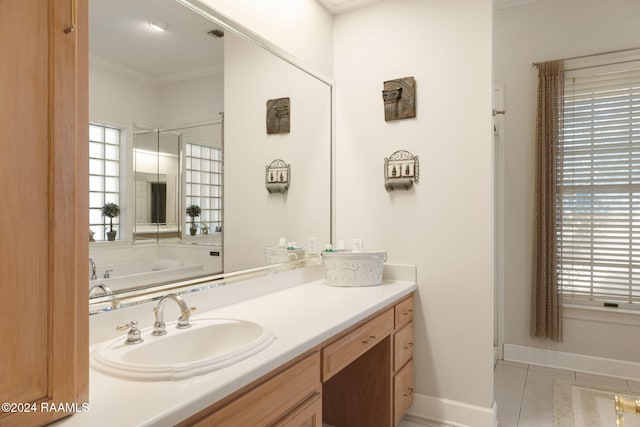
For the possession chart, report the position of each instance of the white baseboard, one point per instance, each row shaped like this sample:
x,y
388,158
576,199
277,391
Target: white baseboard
x,y
572,361
437,412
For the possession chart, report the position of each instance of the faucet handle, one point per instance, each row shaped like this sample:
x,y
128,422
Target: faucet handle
x,y
134,335
107,274
188,312
183,320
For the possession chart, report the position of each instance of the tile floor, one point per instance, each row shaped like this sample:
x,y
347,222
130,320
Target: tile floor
x,y
407,423
524,393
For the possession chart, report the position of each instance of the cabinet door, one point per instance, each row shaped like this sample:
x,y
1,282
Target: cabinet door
x,y
307,415
403,346
403,392
404,312
43,209
267,402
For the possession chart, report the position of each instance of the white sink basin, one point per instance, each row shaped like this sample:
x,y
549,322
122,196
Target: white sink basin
x,y
208,345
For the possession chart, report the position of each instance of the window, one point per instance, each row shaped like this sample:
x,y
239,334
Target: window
x,y
204,183
599,203
104,177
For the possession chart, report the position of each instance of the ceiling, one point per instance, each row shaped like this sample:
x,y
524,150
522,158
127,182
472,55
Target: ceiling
x,y
339,6
120,38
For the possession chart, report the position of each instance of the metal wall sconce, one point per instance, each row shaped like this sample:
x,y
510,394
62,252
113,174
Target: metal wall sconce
x,y
401,170
278,177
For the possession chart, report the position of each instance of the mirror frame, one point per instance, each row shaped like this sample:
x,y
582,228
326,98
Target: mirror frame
x,y
106,303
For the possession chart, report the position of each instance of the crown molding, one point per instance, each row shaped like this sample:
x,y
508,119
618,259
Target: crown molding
x,y
98,62
336,7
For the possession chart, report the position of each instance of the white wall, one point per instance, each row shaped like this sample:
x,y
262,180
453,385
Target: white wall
x,y
444,224
301,27
253,218
118,99
540,31
193,100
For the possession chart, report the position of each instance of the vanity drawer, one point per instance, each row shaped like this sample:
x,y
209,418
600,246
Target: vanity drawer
x,y
402,392
309,414
404,311
349,347
403,346
271,400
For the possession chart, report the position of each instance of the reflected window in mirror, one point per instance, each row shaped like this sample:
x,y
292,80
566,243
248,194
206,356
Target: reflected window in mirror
x,y
104,177
203,181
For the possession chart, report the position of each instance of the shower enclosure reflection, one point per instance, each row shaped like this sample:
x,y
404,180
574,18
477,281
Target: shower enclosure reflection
x,y
172,168
175,168
156,160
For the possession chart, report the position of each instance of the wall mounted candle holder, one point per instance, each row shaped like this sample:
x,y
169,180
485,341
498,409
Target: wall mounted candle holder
x,y
401,170
278,177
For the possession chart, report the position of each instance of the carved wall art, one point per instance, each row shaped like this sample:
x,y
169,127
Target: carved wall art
x,y
278,111
399,98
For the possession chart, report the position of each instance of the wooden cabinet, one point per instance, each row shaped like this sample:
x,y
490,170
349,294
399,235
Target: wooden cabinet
x,y
403,359
403,312
308,415
43,214
368,370
347,348
361,377
286,398
403,346
402,391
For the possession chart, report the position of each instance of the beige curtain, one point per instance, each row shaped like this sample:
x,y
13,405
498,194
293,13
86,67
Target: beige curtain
x,y
547,301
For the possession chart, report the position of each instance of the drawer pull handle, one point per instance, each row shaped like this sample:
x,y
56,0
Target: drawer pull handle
x,y
408,393
368,340
408,346
407,312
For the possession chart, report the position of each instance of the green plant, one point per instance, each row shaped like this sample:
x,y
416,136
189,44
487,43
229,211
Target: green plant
x,y
193,211
111,210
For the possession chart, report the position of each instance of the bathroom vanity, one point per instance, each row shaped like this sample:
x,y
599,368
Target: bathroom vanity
x,y
363,376
342,356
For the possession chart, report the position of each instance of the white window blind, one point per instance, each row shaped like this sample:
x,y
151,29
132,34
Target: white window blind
x,y
599,206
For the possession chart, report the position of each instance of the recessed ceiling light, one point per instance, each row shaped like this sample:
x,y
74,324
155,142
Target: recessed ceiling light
x,y
158,26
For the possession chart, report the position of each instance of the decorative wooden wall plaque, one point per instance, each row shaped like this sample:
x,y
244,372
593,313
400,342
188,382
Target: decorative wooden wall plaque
x,y
278,111
399,97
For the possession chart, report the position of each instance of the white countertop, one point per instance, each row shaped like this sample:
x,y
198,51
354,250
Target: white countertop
x,y
302,317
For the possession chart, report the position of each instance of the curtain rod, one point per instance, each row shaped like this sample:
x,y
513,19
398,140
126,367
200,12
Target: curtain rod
x,y
535,64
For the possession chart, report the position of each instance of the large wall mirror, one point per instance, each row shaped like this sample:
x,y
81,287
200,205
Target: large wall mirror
x,y
178,141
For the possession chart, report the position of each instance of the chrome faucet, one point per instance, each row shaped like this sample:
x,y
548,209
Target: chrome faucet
x,y
105,289
102,287
183,320
94,276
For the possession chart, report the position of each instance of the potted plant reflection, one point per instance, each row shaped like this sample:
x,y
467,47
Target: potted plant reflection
x,y
111,210
193,211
